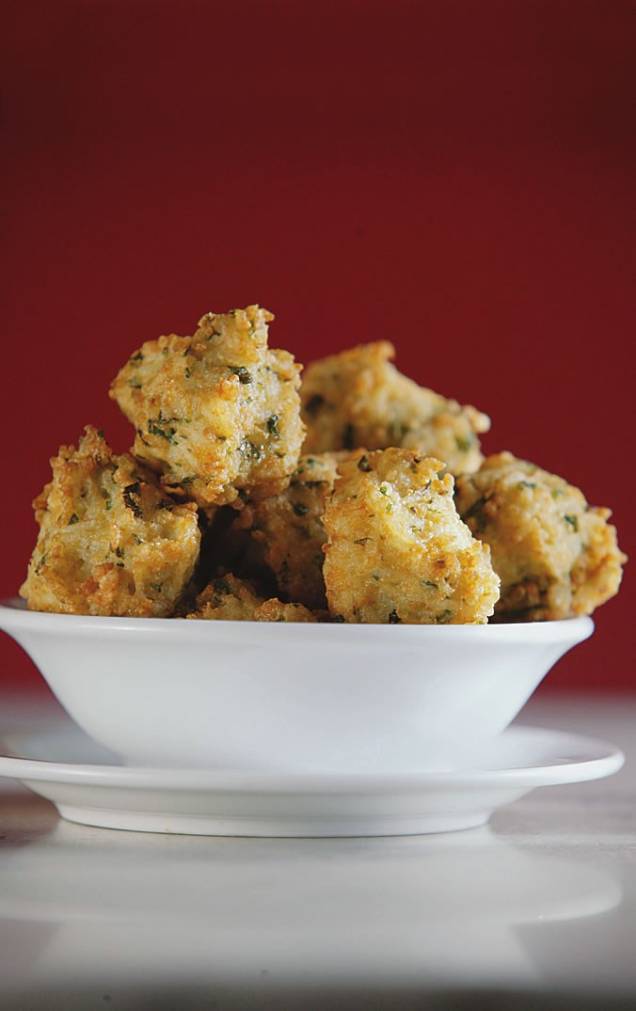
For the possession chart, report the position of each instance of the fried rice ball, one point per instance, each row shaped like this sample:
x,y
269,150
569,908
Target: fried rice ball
x,y
556,556
397,550
359,399
289,529
217,414
111,542
227,598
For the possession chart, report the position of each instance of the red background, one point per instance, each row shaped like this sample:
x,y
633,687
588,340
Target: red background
x,y
456,176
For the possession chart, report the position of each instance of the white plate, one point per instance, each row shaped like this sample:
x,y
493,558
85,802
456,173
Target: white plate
x,y
80,778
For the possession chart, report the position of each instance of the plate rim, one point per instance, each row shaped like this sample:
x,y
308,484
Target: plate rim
x,y
605,760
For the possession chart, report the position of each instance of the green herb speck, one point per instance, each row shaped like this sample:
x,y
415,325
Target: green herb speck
x,y
463,443
244,376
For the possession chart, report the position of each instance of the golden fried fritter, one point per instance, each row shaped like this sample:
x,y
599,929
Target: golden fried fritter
x,y
227,598
217,413
290,531
111,542
556,556
359,399
397,550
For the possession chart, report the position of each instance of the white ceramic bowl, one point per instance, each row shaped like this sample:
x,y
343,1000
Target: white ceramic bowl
x,y
253,695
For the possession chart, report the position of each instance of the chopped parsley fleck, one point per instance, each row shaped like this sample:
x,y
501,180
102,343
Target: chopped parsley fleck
x,y
430,583
161,426
272,425
221,586
314,404
74,519
556,492
526,484
463,443
384,489
188,373
129,502
394,618
572,520
107,499
157,587
248,449
244,375
300,509
348,437
363,464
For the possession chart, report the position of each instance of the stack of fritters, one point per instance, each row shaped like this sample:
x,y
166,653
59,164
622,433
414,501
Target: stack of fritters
x,y
247,496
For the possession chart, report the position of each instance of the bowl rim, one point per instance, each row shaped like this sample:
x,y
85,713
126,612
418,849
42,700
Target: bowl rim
x,y
16,617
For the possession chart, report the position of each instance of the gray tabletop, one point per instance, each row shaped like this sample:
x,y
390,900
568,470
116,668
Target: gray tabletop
x,y
536,911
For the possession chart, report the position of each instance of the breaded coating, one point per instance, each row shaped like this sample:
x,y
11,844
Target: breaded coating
x,y
556,556
397,550
290,531
111,541
227,598
217,414
359,399
275,610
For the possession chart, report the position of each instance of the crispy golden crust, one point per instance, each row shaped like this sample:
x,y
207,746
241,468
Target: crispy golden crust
x,y
276,610
217,413
111,542
397,551
359,399
556,556
290,531
227,598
